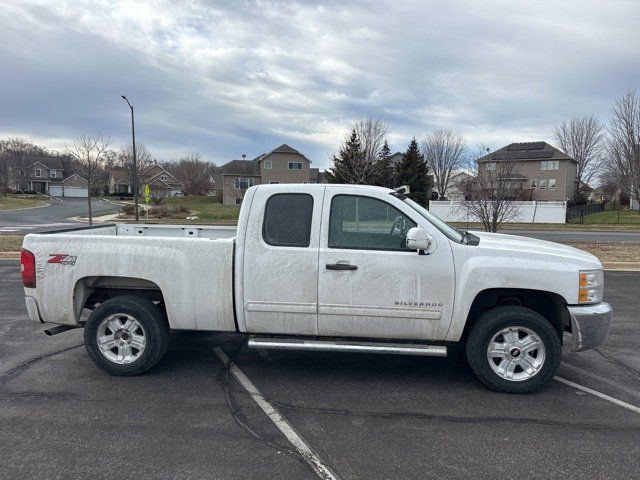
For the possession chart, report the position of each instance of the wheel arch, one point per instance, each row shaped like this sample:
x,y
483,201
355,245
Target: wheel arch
x,y
551,306
91,290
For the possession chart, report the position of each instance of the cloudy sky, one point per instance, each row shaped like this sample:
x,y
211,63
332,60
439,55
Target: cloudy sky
x,y
227,78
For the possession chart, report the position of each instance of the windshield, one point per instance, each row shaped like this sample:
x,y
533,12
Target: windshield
x,y
450,232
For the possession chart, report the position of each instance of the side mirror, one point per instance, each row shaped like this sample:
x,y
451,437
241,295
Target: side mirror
x,y
418,239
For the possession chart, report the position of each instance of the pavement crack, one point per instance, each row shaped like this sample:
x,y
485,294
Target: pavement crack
x,y
17,370
619,363
454,418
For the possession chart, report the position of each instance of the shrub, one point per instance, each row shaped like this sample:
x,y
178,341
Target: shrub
x,y
130,210
159,212
156,200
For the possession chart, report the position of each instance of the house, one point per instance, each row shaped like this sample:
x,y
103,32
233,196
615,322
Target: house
x,y
40,173
457,185
283,164
161,182
537,170
46,175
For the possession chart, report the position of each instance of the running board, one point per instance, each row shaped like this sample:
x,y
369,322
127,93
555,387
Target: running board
x,y
347,346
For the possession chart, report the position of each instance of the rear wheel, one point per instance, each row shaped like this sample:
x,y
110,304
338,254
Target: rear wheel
x,y
126,335
513,349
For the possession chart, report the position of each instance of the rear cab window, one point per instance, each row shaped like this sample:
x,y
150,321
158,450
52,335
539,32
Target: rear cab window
x,y
287,220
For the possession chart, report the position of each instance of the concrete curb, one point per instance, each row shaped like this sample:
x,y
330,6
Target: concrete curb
x,y
25,208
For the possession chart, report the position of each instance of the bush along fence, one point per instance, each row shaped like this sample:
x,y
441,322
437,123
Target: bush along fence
x,y
527,212
576,214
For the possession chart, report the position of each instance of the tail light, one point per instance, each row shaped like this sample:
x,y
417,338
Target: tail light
x,y
28,268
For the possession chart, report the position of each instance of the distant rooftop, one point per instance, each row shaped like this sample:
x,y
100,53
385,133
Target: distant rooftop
x,y
526,151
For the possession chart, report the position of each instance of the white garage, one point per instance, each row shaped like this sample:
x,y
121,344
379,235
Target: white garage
x,y
73,186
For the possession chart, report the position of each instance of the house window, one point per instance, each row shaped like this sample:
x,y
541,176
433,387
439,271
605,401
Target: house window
x,y
238,201
313,180
52,174
491,166
295,165
550,165
163,178
243,183
267,164
38,172
552,184
273,182
543,184
367,223
534,184
287,220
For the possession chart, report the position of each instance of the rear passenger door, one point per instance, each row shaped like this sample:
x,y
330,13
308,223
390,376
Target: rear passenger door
x,y
281,260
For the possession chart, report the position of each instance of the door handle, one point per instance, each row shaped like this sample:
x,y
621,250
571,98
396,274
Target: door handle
x,y
340,266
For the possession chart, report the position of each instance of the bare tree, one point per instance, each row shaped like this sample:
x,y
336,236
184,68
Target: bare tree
x,y
144,160
582,139
372,135
444,151
194,173
14,159
490,196
89,152
623,148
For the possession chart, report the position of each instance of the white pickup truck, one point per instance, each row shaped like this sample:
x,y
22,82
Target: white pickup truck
x,y
321,267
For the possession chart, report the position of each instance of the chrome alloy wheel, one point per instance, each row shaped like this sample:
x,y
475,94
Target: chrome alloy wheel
x,y
516,353
121,338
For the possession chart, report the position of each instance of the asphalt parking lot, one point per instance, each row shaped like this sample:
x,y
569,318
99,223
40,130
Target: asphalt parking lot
x,y
364,416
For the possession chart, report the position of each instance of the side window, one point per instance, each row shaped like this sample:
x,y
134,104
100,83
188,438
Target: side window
x,y
287,220
367,223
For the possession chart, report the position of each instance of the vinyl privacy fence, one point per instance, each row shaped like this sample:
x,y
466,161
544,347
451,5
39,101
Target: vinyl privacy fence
x,y
528,212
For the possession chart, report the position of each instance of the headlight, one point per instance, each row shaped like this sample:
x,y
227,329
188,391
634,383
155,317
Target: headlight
x,y
591,286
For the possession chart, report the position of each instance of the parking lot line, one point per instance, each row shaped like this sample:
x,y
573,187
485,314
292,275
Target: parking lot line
x,y
604,396
287,430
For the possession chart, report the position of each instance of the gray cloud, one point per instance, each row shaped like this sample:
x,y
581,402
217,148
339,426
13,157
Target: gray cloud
x,y
226,78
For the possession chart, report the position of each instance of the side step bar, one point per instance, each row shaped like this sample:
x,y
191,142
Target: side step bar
x,y
347,346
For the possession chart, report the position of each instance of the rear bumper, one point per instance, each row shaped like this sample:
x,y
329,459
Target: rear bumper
x,y
590,325
32,309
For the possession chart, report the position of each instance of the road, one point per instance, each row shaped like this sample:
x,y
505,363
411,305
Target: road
x,y
365,416
56,215
563,236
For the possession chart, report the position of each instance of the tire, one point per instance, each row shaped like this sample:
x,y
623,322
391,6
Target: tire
x,y
525,349
135,328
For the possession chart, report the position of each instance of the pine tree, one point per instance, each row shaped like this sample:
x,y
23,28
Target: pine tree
x,y
349,166
414,172
386,170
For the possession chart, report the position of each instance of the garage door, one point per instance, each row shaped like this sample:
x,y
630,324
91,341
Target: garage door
x,y
55,190
75,192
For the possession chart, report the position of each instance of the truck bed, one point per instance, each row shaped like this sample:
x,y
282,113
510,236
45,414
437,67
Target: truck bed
x,y
189,268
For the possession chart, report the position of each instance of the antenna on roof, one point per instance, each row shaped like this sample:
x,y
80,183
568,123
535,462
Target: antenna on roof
x,y
403,190
244,156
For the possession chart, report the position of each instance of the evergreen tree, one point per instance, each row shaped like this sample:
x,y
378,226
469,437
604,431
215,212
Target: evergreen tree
x,y
386,170
414,172
350,166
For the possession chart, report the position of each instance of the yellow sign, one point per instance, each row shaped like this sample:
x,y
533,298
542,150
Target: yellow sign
x,y
147,193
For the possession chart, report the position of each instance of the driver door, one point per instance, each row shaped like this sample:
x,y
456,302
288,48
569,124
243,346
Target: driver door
x,y
369,283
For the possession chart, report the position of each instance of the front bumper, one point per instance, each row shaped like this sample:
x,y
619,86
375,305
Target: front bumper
x,y
590,325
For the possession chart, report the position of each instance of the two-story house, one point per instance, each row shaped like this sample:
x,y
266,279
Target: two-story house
x,y
537,170
40,173
161,182
283,164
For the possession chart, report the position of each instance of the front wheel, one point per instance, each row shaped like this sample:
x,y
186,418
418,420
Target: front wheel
x,y
513,349
126,335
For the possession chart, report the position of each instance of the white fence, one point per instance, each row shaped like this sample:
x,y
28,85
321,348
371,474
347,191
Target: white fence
x,y
528,212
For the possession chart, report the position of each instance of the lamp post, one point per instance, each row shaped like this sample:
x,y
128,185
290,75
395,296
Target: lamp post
x,y
135,167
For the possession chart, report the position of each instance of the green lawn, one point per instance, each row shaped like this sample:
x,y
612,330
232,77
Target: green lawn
x,y
12,203
622,217
10,243
207,208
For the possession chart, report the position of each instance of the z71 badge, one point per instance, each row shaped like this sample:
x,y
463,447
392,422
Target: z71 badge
x,y
62,259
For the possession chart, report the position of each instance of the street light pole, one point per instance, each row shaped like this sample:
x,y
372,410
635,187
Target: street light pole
x,y
135,167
